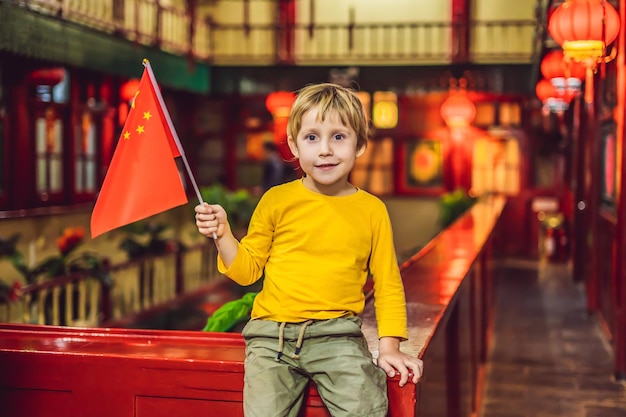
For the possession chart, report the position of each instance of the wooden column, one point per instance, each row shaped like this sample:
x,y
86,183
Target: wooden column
x,y
619,344
460,30
286,31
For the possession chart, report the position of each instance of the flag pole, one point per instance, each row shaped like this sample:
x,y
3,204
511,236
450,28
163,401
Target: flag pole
x,y
157,92
159,97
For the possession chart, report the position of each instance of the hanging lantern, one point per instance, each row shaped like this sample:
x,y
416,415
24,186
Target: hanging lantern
x,y
279,103
46,76
545,90
128,89
584,28
458,110
549,97
566,77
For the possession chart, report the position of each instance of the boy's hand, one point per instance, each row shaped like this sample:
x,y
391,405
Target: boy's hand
x,y
394,362
211,220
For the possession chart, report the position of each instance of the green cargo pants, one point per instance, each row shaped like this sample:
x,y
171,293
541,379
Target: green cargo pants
x,y
282,358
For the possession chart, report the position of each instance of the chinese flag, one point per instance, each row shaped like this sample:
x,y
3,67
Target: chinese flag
x,y
142,179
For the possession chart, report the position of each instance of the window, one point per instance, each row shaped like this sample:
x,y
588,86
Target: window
x,y
50,88
495,166
373,171
85,154
49,153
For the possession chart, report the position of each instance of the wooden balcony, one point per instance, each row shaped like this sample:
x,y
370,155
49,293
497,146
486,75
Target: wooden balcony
x,y
250,42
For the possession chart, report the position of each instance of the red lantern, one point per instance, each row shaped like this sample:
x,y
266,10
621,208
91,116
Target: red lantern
x,y
46,76
566,76
129,89
458,110
584,28
279,103
545,90
553,65
547,93
581,20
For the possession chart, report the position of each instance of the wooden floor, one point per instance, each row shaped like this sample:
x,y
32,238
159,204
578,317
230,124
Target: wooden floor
x,y
548,357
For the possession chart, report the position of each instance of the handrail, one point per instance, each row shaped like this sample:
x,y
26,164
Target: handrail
x,y
180,32
449,292
138,285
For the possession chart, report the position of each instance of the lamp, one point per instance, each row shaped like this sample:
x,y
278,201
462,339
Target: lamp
x,y
129,88
385,110
46,76
584,29
566,77
550,98
279,103
458,110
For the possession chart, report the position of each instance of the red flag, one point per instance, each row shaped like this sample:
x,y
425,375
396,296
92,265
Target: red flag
x,y
142,179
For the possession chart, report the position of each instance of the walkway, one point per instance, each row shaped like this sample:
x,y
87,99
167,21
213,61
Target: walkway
x,y
548,357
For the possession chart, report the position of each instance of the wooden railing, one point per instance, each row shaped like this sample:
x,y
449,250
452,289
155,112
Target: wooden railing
x,y
49,371
137,286
172,29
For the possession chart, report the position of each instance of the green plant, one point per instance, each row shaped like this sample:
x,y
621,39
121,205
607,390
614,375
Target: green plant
x,y
67,262
239,204
145,238
452,205
230,314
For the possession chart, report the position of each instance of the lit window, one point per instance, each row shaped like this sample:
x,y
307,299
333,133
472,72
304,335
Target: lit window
x,y
85,155
49,153
373,170
495,166
385,110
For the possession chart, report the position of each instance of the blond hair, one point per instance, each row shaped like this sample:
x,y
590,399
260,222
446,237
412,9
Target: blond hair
x,y
330,98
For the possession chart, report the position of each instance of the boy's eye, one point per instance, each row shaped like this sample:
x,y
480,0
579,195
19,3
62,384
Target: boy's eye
x,y
338,137
309,137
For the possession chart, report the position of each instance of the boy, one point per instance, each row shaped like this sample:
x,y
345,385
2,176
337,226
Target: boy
x,y
316,240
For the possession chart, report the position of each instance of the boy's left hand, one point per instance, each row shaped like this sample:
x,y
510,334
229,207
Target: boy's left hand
x,y
395,362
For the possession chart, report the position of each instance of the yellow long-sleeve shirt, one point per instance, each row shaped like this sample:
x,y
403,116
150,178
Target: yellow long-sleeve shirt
x,y
317,252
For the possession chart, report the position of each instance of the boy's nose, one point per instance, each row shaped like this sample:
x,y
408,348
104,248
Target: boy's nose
x,y
325,148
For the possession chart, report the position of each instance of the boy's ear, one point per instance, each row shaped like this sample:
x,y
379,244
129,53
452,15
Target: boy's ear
x,y
292,146
361,150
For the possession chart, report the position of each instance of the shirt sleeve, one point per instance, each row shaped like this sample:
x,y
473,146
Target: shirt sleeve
x,y
389,297
253,250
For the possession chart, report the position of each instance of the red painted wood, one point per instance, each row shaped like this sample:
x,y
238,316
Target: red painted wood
x,y
286,40
620,244
460,33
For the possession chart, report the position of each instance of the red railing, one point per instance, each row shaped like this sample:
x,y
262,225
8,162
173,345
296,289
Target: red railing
x,y
52,371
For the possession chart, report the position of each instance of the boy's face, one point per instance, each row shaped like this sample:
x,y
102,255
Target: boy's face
x,y
327,151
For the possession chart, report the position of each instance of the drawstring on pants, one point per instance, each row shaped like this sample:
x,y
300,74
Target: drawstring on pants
x,y
281,337
281,340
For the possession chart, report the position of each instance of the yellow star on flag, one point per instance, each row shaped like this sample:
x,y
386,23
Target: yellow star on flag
x,y
140,129
126,135
147,115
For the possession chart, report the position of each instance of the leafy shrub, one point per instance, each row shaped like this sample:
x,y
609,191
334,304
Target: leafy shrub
x,y
452,205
